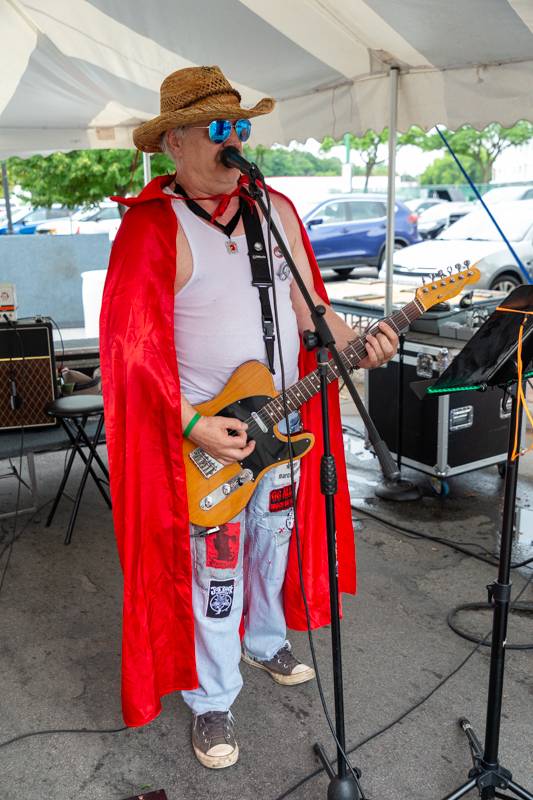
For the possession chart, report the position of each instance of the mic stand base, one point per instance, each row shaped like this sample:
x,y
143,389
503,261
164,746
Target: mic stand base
x,y
399,490
486,778
340,788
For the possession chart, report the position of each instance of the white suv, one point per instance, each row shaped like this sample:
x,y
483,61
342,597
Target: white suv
x,y
104,218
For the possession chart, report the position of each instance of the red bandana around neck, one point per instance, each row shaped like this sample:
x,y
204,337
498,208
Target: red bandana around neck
x,y
241,190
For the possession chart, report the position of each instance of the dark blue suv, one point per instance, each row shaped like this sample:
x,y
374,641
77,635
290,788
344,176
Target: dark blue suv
x,y
348,232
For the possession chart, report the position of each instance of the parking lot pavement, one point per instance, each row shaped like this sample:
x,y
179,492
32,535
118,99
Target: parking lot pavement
x,y
60,663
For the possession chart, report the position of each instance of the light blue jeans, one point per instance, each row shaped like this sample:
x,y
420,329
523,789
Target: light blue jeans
x,y
240,568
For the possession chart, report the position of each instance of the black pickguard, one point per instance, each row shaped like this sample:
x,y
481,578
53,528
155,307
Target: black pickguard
x,y
268,449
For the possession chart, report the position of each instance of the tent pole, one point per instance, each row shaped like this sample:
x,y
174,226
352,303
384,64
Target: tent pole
x,y
5,186
147,168
391,187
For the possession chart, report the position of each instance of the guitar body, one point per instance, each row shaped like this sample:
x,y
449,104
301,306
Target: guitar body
x,y
216,493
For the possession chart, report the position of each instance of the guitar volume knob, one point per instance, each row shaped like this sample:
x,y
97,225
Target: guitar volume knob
x,y
226,488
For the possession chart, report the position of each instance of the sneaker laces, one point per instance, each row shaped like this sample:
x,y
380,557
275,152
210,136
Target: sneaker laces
x,y
215,726
285,657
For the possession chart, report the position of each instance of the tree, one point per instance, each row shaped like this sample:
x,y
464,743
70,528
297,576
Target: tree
x,y
85,177
445,171
482,147
278,161
82,177
367,146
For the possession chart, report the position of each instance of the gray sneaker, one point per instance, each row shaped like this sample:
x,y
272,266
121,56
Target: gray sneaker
x,y
283,667
213,739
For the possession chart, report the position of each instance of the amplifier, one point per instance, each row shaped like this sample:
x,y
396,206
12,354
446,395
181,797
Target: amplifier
x,y
27,374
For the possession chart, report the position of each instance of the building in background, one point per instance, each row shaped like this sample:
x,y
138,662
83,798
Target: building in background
x,y
514,164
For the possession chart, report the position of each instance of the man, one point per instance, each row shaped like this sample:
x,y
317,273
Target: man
x,y
179,315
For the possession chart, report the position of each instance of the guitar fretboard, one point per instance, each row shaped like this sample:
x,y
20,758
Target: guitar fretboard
x,y
351,356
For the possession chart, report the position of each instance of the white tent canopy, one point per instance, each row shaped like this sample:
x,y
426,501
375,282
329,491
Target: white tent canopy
x,y
83,73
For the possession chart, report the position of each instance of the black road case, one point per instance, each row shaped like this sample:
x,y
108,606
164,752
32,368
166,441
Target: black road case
x,y
440,435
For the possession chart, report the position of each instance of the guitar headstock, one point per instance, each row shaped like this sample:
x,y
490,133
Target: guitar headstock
x,y
442,287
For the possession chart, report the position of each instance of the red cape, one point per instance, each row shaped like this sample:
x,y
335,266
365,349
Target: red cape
x,y
144,439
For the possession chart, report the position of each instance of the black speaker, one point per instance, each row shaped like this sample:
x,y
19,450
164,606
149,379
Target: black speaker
x,y
27,374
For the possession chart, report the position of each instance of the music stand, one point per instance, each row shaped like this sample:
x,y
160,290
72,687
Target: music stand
x,y
490,359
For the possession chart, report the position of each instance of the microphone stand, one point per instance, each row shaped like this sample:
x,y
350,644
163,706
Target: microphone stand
x,y
342,785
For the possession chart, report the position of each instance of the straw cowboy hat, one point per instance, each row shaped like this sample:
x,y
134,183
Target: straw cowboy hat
x,y
195,96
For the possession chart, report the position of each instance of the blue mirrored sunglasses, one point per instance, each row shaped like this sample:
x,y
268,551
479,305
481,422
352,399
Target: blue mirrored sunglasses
x,y
220,129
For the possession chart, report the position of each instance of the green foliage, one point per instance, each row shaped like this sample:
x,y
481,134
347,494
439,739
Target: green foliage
x,y
85,177
82,177
445,171
482,147
278,161
367,146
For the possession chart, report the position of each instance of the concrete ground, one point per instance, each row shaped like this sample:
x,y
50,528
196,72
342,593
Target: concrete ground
x,y
60,660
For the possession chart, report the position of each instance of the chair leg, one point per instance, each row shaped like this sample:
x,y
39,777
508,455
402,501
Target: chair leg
x,y
33,478
77,500
92,445
82,437
88,470
65,474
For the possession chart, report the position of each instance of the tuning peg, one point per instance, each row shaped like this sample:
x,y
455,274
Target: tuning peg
x,y
466,263
423,280
449,270
458,267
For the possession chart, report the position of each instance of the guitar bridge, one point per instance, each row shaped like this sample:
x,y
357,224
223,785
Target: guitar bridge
x,y
207,465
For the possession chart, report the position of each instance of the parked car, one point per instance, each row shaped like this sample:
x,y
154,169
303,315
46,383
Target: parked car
x,y
25,220
420,204
434,220
476,239
348,232
502,193
104,218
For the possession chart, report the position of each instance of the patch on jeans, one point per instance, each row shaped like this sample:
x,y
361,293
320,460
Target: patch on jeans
x,y
220,598
222,547
282,475
289,522
280,499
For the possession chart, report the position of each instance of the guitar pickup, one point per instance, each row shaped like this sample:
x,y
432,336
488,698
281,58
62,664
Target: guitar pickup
x,y
207,465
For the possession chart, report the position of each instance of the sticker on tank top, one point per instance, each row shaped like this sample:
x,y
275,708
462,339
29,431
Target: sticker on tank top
x,y
232,247
284,271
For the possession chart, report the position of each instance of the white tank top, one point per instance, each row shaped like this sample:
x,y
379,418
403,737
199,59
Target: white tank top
x,y
217,313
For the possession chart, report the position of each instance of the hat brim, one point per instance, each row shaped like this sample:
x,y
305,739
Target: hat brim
x,y
147,137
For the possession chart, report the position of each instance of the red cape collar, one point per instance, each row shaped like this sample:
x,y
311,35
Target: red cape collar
x,y
154,190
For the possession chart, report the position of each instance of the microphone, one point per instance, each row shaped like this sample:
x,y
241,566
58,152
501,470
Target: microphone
x,y
231,158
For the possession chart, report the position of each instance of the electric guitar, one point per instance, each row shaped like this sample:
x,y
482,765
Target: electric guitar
x,y
217,493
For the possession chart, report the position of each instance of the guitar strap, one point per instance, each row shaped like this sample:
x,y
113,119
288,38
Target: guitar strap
x,y
261,276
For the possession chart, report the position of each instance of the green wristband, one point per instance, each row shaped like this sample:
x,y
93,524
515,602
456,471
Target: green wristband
x,y
192,423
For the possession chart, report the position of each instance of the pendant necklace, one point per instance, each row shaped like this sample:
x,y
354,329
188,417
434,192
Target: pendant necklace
x,y
231,245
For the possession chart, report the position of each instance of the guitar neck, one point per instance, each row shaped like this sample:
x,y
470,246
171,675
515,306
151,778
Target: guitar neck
x,y
351,356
